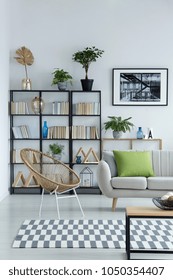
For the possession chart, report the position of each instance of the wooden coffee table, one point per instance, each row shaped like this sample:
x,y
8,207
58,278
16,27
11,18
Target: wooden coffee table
x,y
144,213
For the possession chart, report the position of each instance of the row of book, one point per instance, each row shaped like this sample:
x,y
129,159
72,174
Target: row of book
x,y
16,156
21,131
58,132
33,157
60,108
86,108
19,107
84,132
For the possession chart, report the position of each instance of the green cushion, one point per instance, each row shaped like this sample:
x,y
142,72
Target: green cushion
x,y
132,163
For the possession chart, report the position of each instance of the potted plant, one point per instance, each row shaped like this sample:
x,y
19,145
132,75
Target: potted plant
x,y
56,150
60,78
25,57
118,125
86,57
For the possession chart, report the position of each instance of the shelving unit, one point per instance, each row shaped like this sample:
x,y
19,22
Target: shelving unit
x,y
131,144
86,112
73,111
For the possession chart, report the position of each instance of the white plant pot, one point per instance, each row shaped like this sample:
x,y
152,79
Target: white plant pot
x,y
117,134
62,85
57,156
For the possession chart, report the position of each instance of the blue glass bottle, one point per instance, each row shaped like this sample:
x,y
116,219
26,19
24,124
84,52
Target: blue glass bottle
x,y
45,129
140,134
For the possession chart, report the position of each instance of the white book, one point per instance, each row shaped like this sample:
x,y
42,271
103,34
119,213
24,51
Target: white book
x,y
67,132
14,156
28,131
17,132
87,132
96,108
58,108
50,132
96,133
23,131
13,108
17,156
26,108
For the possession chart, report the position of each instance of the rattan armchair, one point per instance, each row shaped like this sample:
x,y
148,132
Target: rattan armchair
x,y
52,175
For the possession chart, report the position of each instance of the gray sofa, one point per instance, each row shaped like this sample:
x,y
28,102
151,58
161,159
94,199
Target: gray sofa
x,y
115,187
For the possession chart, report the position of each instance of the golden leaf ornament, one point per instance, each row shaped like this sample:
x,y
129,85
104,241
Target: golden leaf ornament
x,y
24,57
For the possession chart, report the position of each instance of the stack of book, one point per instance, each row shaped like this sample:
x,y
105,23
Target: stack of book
x,y
16,156
58,132
19,107
84,132
86,108
60,108
21,131
33,157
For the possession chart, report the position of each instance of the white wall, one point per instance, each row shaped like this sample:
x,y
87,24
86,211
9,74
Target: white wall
x,y
133,33
4,86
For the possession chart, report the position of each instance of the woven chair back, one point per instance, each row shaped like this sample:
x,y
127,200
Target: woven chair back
x,y
49,173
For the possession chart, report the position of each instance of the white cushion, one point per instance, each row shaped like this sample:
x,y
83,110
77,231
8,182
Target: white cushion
x,y
136,183
160,183
162,163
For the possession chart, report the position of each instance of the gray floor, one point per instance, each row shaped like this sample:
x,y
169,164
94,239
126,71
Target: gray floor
x,y
16,208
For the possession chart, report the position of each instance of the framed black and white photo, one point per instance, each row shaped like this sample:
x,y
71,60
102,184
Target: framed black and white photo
x,y
140,86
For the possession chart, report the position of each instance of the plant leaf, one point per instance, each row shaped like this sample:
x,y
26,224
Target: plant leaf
x,y
118,124
25,56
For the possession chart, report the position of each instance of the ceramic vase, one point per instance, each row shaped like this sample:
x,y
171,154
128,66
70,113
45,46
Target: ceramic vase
x,y
140,134
78,159
117,134
26,84
37,105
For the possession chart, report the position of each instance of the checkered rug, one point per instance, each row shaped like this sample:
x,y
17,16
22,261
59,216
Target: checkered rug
x,y
148,234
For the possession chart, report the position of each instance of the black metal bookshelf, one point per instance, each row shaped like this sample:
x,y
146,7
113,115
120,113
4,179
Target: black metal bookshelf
x,y
71,119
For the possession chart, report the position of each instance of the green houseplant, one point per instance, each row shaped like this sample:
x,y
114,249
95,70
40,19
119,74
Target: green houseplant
x,y
118,125
56,150
60,78
85,58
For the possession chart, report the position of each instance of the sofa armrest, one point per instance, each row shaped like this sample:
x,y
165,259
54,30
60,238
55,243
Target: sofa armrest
x,y
104,178
109,158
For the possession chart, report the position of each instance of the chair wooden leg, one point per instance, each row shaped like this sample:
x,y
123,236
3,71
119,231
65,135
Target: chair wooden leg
x,y
114,203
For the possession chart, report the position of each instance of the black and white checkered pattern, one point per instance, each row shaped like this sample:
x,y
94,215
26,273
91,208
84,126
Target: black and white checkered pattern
x,y
151,234
148,234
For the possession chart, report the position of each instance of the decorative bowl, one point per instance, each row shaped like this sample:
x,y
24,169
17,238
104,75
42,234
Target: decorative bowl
x,y
163,204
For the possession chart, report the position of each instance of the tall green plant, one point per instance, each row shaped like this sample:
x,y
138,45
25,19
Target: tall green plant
x,y
86,56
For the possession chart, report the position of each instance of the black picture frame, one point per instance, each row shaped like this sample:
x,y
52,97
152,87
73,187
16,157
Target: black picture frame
x,y
140,86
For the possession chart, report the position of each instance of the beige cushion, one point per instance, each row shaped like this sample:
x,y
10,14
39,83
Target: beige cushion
x,y
160,183
136,183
